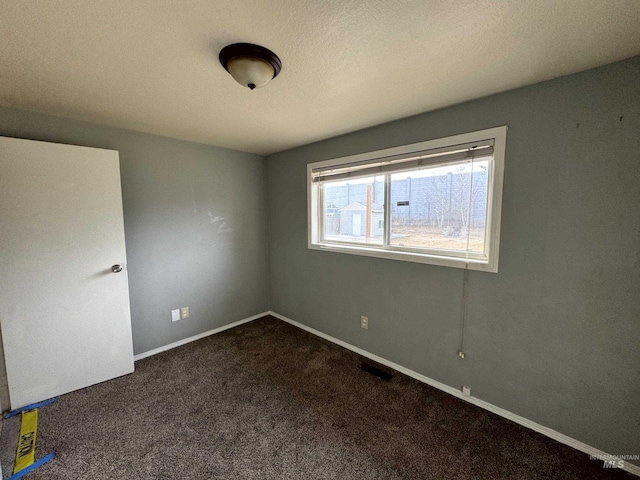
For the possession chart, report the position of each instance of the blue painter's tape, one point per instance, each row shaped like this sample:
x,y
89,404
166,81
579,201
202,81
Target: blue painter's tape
x,y
30,407
32,467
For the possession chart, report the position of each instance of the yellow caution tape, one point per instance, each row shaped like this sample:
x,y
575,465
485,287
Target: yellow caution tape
x,y
25,456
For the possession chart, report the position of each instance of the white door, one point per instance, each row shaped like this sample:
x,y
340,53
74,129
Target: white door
x,y
356,222
64,313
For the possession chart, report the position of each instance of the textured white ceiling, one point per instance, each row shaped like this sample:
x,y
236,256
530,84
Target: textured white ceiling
x,y
152,66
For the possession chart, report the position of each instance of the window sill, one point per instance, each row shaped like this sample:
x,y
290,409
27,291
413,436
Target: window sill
x,y
406,256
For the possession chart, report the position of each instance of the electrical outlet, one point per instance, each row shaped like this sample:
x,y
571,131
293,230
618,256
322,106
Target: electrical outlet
x,y
184,312
364,322
460,353
175,315
466,391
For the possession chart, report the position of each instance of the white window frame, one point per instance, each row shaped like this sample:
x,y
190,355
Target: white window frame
x,y
488,262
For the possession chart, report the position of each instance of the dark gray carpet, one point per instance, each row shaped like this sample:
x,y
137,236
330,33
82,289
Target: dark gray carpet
x,y
269,401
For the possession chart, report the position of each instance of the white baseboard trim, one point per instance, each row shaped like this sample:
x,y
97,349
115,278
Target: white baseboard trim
x,y
164,348
583,447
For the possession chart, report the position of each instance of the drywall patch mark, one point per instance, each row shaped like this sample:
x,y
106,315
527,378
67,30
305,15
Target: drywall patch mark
x,y
214,219
219,223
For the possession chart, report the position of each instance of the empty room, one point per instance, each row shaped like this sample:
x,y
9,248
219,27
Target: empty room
x,y
320,239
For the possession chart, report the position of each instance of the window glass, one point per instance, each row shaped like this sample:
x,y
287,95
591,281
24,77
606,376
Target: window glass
x,y
443,207
353,211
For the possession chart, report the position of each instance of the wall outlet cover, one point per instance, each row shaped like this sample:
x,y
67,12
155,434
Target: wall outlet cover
x,y
175,315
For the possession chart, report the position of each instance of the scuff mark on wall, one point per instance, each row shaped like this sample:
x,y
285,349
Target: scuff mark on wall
x,y
220,223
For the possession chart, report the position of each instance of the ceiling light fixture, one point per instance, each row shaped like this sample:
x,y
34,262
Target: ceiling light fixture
x,y
250,65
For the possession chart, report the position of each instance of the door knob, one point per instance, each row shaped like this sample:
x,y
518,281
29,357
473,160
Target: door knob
x,y
116,268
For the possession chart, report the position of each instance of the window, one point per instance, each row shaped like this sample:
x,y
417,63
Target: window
x,y
436,202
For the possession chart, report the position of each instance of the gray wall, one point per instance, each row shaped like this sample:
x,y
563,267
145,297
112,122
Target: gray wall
x,y
179,254
554,335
